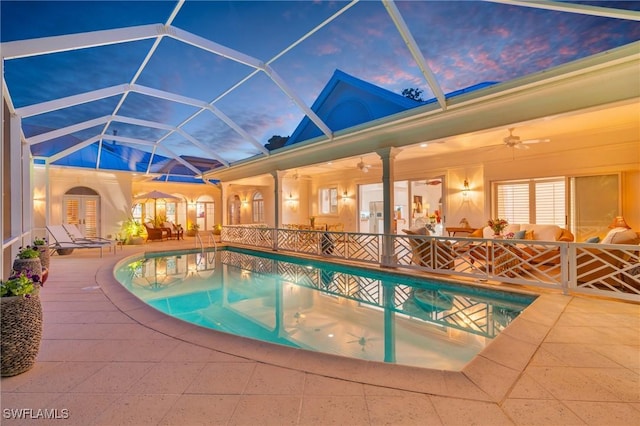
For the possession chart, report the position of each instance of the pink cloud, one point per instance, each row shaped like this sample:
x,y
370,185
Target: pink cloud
x,y
567,51
502,32
327,49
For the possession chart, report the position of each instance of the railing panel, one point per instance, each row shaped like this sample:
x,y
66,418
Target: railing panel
x,y
364,247
609,270
606,268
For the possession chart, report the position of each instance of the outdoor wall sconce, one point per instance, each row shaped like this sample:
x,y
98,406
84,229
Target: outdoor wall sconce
x,y
465,188
292,202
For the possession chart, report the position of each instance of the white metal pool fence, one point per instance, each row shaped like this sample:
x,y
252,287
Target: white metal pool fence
x,y
597,269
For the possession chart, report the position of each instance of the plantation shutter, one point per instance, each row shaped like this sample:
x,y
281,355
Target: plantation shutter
x,y
513,202
540,201
72,211
91,218
550,206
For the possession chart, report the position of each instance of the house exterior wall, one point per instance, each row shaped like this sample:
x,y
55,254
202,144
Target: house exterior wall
x,y
117,191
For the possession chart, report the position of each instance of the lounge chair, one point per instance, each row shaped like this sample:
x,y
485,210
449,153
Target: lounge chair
x,y
77,237
61,240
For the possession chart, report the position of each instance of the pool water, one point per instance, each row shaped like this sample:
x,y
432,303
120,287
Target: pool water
x,y
354,312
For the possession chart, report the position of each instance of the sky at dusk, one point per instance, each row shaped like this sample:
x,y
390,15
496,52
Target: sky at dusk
x,y
464,43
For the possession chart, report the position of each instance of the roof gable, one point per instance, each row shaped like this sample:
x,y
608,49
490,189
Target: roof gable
x,y
347,101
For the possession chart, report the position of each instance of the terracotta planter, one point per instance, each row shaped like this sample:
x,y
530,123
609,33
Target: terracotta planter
x,y
34,265
21,333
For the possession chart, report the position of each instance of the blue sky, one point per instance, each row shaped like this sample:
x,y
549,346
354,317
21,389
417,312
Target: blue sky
x,y
464,43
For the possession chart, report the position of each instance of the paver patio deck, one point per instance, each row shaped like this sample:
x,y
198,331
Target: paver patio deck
x,y
106,359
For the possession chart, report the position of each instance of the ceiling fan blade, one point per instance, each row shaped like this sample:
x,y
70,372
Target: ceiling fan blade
x,y
521,146
528,141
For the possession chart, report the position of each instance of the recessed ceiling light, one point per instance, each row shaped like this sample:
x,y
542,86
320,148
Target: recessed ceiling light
x,y
423,145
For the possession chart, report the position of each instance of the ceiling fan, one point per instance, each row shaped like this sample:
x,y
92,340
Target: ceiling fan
x,y
364,168
514,141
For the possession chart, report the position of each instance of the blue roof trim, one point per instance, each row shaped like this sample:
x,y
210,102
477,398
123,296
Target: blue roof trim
x,y
464,90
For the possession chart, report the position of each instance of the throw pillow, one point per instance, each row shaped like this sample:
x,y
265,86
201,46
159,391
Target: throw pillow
x,y
528,235
593,240
520,235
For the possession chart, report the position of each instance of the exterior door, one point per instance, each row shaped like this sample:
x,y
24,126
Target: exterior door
x,y
205,215
83,211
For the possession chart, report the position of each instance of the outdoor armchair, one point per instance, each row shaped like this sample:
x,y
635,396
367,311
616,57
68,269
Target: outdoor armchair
x,y
156,234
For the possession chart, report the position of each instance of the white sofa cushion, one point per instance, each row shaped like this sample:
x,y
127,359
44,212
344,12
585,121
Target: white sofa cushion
x,y
487,232
544,232
620,236
540,232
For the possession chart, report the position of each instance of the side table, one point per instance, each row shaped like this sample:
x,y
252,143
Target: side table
x,y
452,230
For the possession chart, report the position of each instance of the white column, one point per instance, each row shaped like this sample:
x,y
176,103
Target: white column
x,y
388,156
278,175
225,207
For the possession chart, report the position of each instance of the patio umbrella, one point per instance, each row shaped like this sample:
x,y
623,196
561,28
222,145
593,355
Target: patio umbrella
x,y
155,196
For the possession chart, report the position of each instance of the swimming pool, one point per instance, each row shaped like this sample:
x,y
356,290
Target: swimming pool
x,y
349,311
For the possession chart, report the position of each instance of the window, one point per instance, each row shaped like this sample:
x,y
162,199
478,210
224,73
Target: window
x,y
170,208
595,201
258,208
541,201
328,200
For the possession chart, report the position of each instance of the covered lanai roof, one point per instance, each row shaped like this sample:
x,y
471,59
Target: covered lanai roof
x,y
177,89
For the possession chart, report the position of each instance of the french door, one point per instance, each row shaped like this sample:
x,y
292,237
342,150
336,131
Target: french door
x,y
83,211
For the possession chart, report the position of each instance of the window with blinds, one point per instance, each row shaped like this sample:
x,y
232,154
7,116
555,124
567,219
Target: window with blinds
x,y
541,201
513,202
258,208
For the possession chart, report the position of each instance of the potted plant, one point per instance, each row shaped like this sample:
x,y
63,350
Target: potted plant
x,y
20,322
43,249
133,230
28,258
217,229
497,225
193,229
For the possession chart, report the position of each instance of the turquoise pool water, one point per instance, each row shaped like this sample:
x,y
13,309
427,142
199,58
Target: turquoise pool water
x,y
349,311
